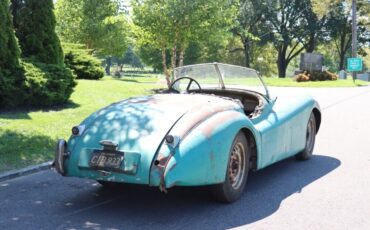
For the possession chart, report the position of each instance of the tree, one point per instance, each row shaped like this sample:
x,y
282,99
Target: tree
x,y
152,56
340,30
339,27
315,28
322,7
131,58
103,28
9,50
173,24
288,22
68,16
35,29
99,24
153,29
10,80
15,7
251,28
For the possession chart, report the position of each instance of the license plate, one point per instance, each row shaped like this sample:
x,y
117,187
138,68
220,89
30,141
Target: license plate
x,y
106,160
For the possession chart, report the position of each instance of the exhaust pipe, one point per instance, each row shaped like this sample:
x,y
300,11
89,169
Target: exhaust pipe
x,y
60,155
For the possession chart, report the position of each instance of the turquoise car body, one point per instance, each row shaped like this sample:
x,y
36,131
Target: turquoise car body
x,y
203,127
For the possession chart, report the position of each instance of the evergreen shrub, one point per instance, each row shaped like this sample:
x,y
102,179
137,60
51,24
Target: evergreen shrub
x,y
11,88
46,84
83,64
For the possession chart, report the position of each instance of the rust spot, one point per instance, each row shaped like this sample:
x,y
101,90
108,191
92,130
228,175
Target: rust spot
x,y
161,164
212,161
210,127
172,167
211,156
161,160
197,115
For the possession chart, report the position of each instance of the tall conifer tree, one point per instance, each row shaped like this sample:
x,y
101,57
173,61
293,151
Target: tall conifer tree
x,y
9,51
10,79
35,29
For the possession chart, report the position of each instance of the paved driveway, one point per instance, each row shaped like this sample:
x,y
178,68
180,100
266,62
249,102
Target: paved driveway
x,y
331,191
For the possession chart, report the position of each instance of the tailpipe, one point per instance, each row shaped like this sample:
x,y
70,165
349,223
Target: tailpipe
x,y
60,155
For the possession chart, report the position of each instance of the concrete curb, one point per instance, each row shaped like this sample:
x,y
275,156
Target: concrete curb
x,y
25,171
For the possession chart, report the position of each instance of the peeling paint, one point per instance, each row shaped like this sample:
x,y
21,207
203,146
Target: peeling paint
x,y
197,115
172,167
214,123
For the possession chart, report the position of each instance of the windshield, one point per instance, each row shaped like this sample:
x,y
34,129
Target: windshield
x,y
222,76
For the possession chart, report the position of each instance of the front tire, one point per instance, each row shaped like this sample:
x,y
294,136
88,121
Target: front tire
x,y
310,139
237,172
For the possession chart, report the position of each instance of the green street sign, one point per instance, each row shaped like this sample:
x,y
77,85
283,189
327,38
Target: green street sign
x,y
354,64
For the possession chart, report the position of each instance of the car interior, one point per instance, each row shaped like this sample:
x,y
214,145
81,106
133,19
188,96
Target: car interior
x,y
251,102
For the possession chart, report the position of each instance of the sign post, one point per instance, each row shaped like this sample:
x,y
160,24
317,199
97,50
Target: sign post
x,y
354,35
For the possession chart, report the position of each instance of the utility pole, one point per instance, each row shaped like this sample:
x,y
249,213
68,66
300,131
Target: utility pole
x,y
354,34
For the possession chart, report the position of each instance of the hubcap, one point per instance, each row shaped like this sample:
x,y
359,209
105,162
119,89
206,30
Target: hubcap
x,y
237,165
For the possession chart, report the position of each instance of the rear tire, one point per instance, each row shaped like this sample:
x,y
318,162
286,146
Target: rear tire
x,y
237,172
310,139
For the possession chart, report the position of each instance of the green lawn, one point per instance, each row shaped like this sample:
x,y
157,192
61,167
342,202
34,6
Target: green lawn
x,y
28,137
142,77
289,82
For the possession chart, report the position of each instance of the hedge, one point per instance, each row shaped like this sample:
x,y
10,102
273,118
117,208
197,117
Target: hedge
x,y
36,84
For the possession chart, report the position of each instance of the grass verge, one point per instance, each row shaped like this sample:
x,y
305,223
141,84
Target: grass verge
x,y
28,137
290,82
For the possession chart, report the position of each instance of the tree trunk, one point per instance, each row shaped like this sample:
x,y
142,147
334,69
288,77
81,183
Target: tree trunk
x,y
164,65
173,57
247,53
282,62
89,45
108,65
311,45
181,57
174,49
344,45
341,60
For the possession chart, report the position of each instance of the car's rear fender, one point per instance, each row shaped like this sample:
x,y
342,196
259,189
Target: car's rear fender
x,y
201,157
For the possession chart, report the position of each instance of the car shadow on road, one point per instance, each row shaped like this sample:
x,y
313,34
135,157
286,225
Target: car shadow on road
x,y
142,207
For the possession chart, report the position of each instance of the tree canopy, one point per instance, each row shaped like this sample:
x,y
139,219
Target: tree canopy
x,y
173,24
99,24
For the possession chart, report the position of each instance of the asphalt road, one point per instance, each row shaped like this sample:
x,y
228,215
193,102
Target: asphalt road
x,y
330,191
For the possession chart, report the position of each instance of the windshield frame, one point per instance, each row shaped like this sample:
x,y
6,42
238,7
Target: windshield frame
x,y
221,76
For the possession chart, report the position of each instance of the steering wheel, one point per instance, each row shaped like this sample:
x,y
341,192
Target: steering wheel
x,y
177,81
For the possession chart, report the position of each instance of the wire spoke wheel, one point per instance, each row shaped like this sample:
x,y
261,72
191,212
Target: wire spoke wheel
x,y
237,165
310,139
237,171
310,136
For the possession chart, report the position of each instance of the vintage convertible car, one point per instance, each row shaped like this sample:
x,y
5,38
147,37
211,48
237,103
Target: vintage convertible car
x,y
215,124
